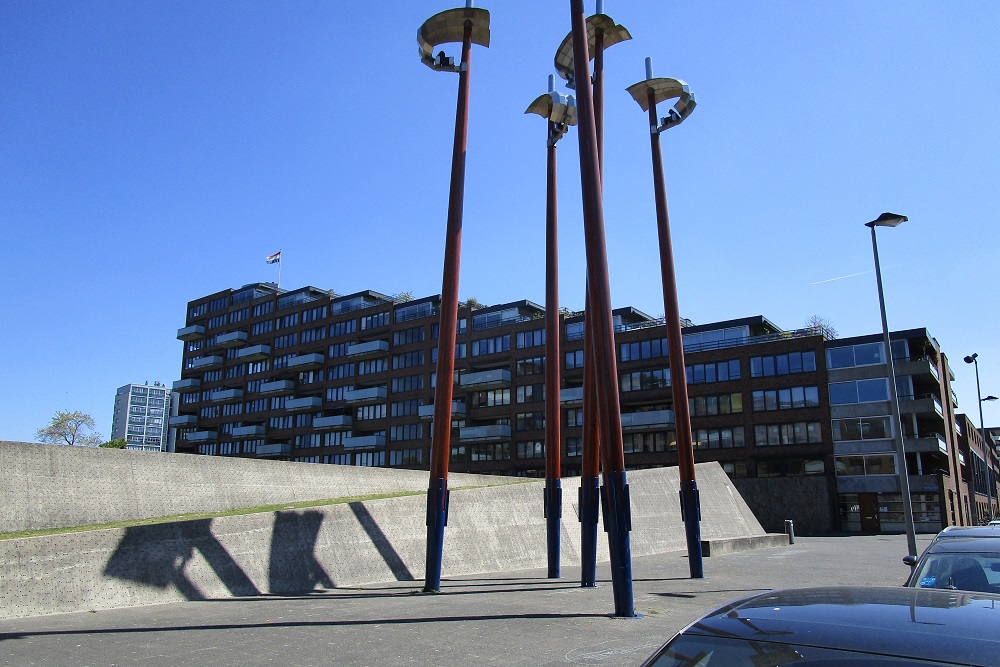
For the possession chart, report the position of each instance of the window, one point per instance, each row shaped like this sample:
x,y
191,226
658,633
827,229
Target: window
x,y
734,468
335,438
406,432
859,391
304,420
218,304
337,350
310,377
195,345
497,452
530,393
797,433
278,402
644,349
783,364
638,443
376,411
340,371
785,399
207,376
338,459
408,359
530,421
217,321
280,362
868,464
717,438
375,321
313,314
407,336
574,359
239,315
574,417
408,383
406,457
258,366
849,356
280,422
230,409
717,372
405,408
413,311
287,321
369,459
718,404
337,393
263,308
643,380
313,335
258,405
532,366
343,328
236,371
309,440
369,366
530,338
486,399
862,428
461,352
262,327
198,310
574,446
532,449
490,345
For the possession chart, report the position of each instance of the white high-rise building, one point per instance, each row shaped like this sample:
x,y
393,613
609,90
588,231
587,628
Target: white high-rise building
x,y
142,413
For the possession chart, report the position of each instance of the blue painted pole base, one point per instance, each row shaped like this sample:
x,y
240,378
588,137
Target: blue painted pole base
x,y
618,525
691,514
553,524
590,506
437,519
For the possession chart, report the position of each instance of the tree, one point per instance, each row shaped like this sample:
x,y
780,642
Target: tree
x,y
825,326
70,428
117,443
473,303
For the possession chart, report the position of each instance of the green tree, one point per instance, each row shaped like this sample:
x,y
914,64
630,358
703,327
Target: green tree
x,y
70,428
117,443
823,325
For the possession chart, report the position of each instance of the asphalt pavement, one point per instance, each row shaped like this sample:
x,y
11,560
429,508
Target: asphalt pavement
x,y
513,618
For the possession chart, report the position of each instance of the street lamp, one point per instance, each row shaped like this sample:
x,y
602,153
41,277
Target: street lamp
x,y
560,112
974,359
647,94
894,220
468,26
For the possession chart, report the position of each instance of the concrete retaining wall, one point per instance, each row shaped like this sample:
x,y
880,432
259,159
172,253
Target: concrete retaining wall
x,y
493,529
48,486
808,501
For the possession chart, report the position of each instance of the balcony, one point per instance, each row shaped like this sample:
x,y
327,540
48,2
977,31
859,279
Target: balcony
x,y
231,339
498,378
930,442
369,350
205,363
226,395
570,397
488,433
190,384
183,420
248,431
254,353
457,410
306,361
917,367
274,450
923,404
278,387
360,441
333,423
304,403
202,436
366,395
193,332
644,421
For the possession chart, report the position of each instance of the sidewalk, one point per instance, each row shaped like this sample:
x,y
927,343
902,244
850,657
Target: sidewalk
x,y
518,618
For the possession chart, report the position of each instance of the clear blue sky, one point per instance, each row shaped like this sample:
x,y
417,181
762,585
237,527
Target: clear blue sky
x,y
154,152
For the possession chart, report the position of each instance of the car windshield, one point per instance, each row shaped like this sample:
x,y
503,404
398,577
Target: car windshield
x,y
961,571
700,651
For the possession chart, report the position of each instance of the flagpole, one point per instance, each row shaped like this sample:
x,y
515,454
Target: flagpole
x,y
279,269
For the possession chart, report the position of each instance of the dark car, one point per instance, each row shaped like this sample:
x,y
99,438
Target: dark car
x,y
843,626
967,560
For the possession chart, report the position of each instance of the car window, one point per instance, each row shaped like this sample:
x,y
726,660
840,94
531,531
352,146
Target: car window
x,y
961,571
698,651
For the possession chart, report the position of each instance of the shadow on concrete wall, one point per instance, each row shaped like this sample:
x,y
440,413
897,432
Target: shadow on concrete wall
x,y
292,565
382,543
157,555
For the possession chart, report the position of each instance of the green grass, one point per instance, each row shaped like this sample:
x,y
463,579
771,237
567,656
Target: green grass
x,y
260,509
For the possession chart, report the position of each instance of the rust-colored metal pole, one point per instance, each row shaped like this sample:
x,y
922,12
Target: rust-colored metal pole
x,y
615,491
690,503
553,433
437,492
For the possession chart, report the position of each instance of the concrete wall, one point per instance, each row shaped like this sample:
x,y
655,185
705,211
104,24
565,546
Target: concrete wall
x,y
48,486
808,501
495,529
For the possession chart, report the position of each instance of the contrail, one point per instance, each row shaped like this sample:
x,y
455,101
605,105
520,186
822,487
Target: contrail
x,y
830,280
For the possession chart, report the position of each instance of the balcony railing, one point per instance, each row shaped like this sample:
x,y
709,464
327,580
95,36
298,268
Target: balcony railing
x,y
254,353
304,361
457,410
273,450
304,403
226,395
649,419
487,433
366,395
498,377
334,423
360,441
571,396
202,436
210,361
231,339
193,332
278,387
248,431
188,384
368,350
183,420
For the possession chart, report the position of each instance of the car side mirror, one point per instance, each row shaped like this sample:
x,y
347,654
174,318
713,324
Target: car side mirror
x,y
910,560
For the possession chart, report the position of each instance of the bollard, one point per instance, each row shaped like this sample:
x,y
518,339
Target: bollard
x,y
790,530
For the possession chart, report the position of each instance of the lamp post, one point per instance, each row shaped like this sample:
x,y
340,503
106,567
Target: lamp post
x,y
560,112
648,93
894,220
974,359
468,26
602,33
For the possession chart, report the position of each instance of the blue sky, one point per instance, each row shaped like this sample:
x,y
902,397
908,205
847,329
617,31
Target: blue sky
x,y
155,152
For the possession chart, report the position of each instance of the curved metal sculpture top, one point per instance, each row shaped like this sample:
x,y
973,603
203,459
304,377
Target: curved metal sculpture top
x,y
665,89
449,26
613,33
556,107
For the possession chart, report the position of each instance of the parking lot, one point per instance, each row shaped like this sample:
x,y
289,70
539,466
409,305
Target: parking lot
x,y
513,618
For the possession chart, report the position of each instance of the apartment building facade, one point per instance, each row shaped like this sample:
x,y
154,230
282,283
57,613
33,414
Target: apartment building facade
x,y
141,416
307,375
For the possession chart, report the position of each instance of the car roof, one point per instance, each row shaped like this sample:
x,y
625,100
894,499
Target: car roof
x,y
965,544
968,531
945,625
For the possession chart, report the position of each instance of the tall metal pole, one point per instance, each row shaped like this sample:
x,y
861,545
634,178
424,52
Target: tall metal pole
x,y
904,476
617,519
986,448
689,498
553,433
437,493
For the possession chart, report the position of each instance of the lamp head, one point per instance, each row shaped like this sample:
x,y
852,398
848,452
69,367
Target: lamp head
x,y
972,357
990,398
887,220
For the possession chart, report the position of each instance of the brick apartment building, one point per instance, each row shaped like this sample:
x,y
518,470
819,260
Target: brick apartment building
x,y
800,423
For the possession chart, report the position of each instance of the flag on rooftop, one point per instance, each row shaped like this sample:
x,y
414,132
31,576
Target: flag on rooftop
x,y
274,259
